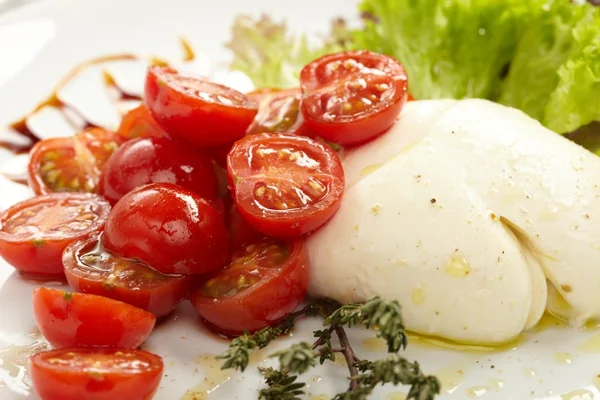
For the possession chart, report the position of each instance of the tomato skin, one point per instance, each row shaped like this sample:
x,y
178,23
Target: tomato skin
x,y
72,382
348,79
156,160
183,106
138,123
41,257
274,297
168,227
159,299
75,319
78,160
240,232
246,171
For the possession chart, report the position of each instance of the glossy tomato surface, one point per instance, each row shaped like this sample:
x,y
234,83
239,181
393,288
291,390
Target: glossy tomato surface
x,y
71,164
138,123
351,97
95,374
195,111
92,269
34,232
278,112
73,319
283,185
168,227
157,160
264,282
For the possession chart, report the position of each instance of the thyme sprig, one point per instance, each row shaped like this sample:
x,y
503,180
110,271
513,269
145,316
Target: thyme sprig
x,y
382,315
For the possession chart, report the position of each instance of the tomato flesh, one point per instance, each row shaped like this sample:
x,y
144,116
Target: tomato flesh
x,y
92,269
283,185
168,227
264,282
71,164
138,123
195,111
35,232
74,319
352,97
154,160
278,112
96,374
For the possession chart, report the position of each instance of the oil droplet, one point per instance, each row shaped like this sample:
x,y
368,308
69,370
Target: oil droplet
x,y
214,377
451,378
529,372
458,267
563,358
396,396
14,362
496,384
340,360
374,344
369,169
431,342
418,295
318,397
578,394
477,391
549,321
592,345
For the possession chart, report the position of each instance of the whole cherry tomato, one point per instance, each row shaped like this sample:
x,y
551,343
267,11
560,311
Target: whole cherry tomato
x,y
155,160
168,227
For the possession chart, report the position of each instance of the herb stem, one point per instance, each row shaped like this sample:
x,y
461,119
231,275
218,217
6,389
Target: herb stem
x,y
349,355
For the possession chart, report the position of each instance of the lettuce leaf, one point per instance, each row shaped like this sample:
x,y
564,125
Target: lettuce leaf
x,y
270,56
556,68
541,56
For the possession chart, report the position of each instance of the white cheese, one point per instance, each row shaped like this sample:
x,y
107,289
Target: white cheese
x,y
460,212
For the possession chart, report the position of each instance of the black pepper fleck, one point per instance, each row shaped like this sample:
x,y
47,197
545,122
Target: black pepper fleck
x,y
432,201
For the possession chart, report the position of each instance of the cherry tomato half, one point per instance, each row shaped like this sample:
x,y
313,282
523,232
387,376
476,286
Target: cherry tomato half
x,y
138,123
351,97
284,185
263,283
95,374
74,319
168,227
92,269
278,111
34,232
154,160
240,232
198,112
71,164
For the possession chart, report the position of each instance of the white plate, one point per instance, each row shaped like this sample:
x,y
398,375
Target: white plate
x,y
41,41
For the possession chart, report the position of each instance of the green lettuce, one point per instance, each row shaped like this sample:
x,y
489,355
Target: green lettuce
x,y
541,56
555,73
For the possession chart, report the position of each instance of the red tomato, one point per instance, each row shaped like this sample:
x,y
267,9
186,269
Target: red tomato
x,y
92,269
34,232
71,164
74,319
285,185
278,112
350,98
240,232
410,98
263,283
168,227
138,123
198,112
95,374
154,160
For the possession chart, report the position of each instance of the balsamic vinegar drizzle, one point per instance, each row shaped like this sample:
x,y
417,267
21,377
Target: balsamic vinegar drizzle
x,y
70,112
